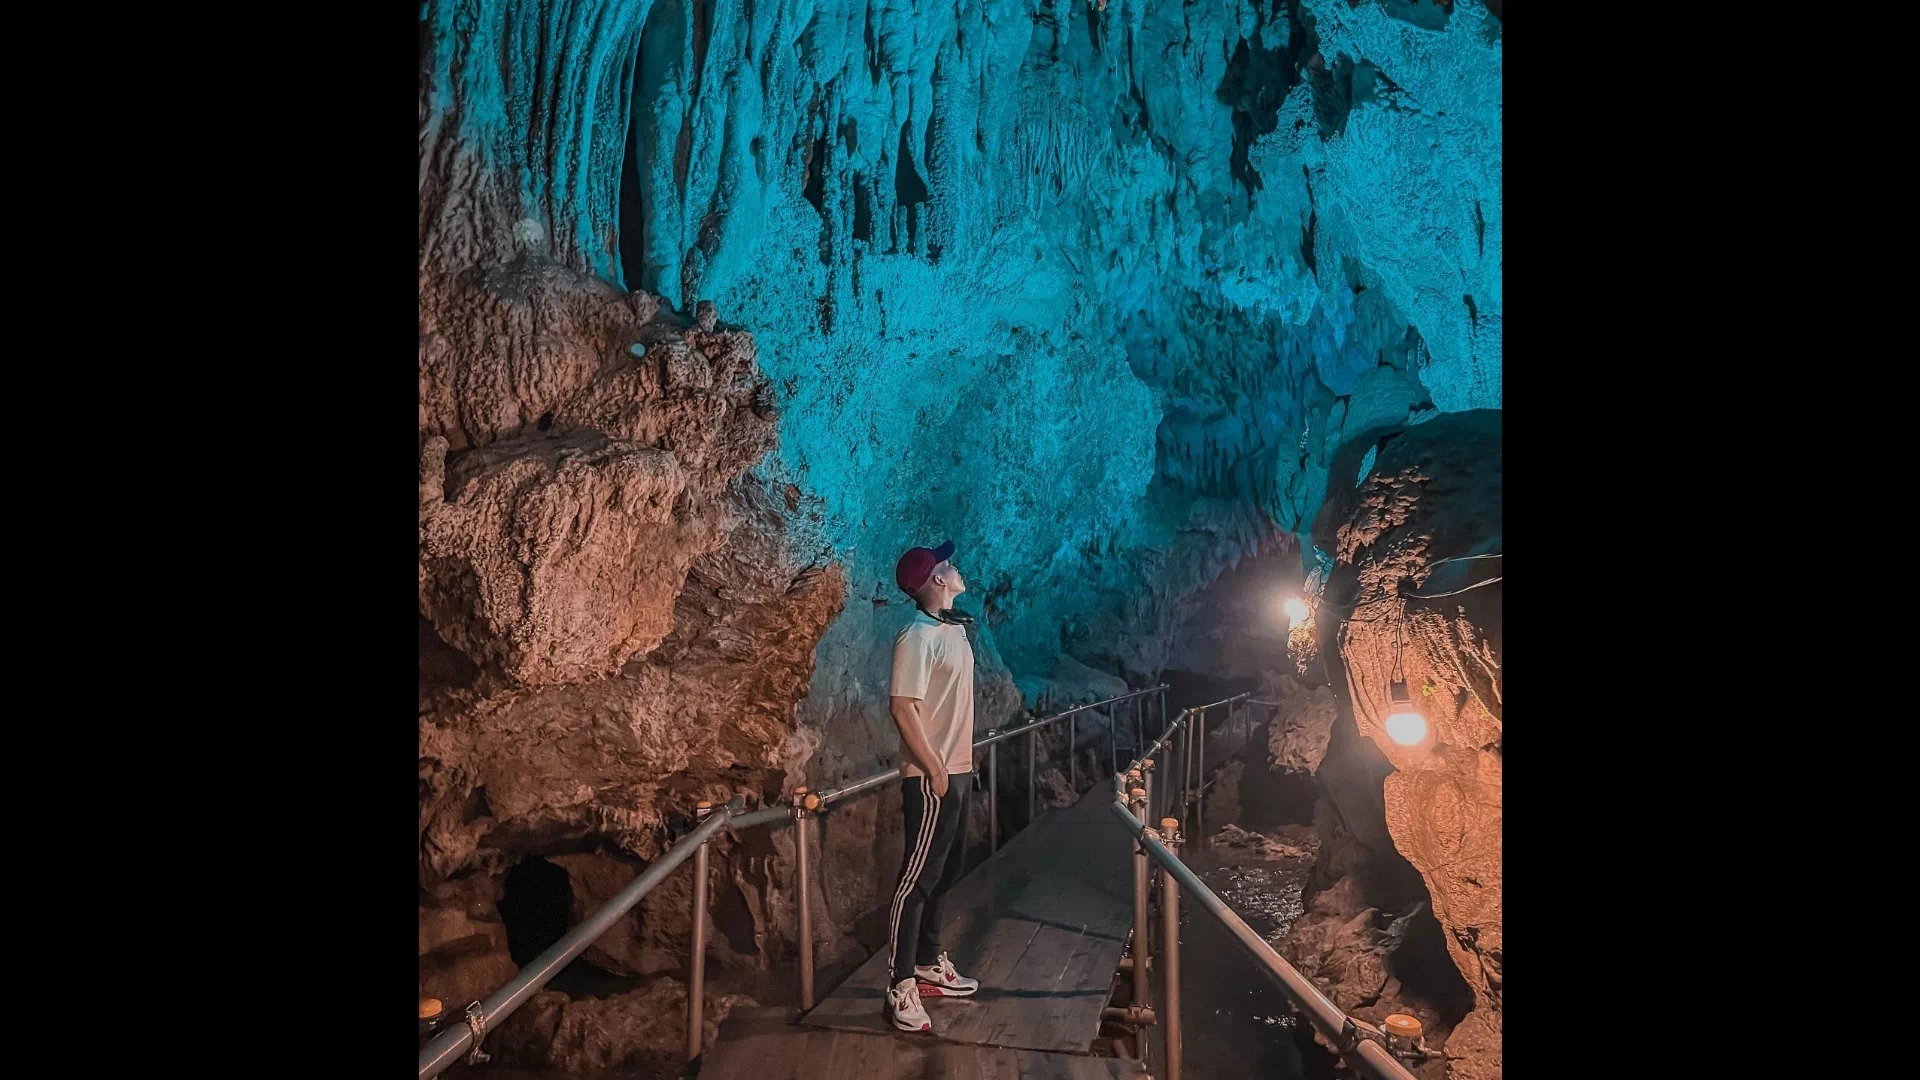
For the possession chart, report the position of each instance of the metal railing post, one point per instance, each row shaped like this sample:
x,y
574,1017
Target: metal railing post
x,y
1200,766
1073,759
993,794
1032,780
804,804
1113,744
1186,763
1139,726
1137,798
1170,951
697,970
1197,761
1146,781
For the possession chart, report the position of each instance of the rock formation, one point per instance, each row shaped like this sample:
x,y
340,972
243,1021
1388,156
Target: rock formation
x,y
1405,827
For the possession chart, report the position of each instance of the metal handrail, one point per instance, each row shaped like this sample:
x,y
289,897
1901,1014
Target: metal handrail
x,y
1222,701
445,1049
1031,726
1158,744
1368,1056
1246,739
1190,724
774,814
778,813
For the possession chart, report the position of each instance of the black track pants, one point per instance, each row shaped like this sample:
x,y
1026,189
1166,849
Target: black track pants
x,y
929,868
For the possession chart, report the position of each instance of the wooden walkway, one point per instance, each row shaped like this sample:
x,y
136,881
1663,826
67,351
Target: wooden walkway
x,y
1042,925
762,1045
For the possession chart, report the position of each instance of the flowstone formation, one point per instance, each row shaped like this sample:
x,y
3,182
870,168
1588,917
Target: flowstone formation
x,y
616,616
1411,835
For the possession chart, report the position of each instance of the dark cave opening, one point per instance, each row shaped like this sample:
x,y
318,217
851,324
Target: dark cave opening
x,y
733,919
536,904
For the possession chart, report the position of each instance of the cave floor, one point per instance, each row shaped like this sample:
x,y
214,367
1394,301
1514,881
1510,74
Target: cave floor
x,y
1042,925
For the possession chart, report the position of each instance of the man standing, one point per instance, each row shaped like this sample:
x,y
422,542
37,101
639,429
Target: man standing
x,y
932,705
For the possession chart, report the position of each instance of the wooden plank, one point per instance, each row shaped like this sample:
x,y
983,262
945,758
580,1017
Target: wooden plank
x,y
766,1048
1042,925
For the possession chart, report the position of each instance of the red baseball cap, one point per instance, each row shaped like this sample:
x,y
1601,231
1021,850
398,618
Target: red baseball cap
x,y
916,566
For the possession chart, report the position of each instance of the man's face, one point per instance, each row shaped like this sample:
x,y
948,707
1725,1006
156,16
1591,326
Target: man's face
x,y
949,575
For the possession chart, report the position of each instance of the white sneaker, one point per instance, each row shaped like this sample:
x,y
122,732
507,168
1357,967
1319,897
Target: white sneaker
x,y
903,1006
941,980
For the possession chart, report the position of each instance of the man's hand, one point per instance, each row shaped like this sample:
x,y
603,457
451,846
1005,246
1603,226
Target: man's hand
x,y
913,739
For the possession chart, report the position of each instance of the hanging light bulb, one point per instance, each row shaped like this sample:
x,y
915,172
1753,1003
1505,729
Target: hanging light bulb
x,y
1296,611
1405,725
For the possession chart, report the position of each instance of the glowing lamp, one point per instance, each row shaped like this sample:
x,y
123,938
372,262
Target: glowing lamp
x,y
1296,610
1405,725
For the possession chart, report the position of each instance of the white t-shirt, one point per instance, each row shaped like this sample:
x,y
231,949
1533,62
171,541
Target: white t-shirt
x,y
933,664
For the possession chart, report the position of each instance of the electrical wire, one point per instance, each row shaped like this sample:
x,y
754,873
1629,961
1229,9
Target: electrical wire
x,y
1456,592
1465,558
1426,596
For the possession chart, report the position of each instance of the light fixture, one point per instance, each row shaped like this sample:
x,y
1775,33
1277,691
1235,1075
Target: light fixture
x,y
1296,611
1405,725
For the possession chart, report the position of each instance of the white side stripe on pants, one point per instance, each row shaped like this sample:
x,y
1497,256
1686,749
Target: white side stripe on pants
x,y
929,820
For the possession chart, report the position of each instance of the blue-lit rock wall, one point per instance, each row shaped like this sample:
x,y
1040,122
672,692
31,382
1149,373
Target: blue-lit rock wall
x,y
1098,293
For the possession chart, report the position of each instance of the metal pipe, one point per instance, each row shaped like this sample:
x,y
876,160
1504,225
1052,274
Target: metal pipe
x,y
1170,956
993,795
1139,726
697,970
803,823
772,815
1138,800
1322,1013
457,1038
